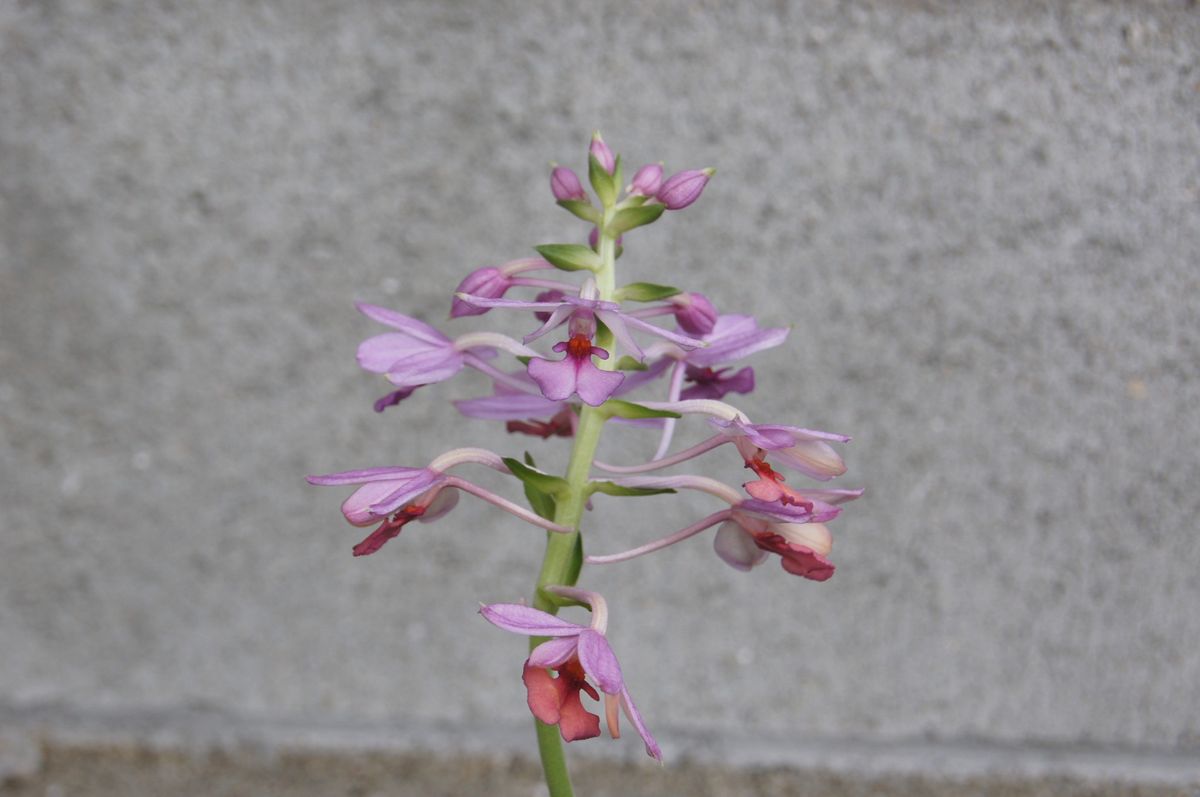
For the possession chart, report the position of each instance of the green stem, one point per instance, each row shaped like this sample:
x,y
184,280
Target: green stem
x,y
557,565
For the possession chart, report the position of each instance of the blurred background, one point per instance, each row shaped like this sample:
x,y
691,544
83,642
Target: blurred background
x,y
980,219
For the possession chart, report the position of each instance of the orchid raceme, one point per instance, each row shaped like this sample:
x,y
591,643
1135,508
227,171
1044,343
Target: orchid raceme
x,y
585,349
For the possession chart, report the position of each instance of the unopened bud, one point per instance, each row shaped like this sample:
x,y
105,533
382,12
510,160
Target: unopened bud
x,y
565,184
547,296
600,151
594,238
683,188
694,313
647,181
488,282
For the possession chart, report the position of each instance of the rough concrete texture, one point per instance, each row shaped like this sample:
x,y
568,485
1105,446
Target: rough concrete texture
x,y
981,218
109,772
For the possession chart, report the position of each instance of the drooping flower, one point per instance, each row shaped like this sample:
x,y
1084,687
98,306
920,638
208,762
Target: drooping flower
x,y
391,497
805,450
395,496
750,528
757,528
576,653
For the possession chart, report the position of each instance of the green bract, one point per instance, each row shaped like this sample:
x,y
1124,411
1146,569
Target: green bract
x,y
629,218
570,257
645,292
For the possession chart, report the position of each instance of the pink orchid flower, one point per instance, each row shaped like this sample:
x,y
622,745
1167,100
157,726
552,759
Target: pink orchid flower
x,y
750,528
418,354
393,497
576,653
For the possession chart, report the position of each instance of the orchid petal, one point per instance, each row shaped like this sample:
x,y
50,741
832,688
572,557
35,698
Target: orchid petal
x,y
576,722
513,304
615,322
599,661
555,378
594,385
553,652
410,326
379,353
528,621
681,340
814,458
508,407
734,337
377,538
545,694
401,495
814,536
635,718
832,496
560,314
446,500
426,368
736,548
365,475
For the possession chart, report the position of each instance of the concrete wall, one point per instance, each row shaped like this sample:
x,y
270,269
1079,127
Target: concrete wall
x,y
982,220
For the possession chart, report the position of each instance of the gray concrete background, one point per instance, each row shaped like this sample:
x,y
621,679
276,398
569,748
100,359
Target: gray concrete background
x,y
982,220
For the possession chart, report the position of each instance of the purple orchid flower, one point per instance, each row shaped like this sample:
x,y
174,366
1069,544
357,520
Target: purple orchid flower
x,y
576,653
575,373
419,355
750,528
395,496
734,337
609,313
390,497
804,450
756,528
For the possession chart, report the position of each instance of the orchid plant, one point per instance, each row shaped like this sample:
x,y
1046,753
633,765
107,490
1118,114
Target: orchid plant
x,y
608,352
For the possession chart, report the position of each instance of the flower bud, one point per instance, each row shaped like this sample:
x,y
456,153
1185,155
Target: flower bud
x,y
488,282
594,239
565,184
547,296
647,180
683,188
600,151
694,313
